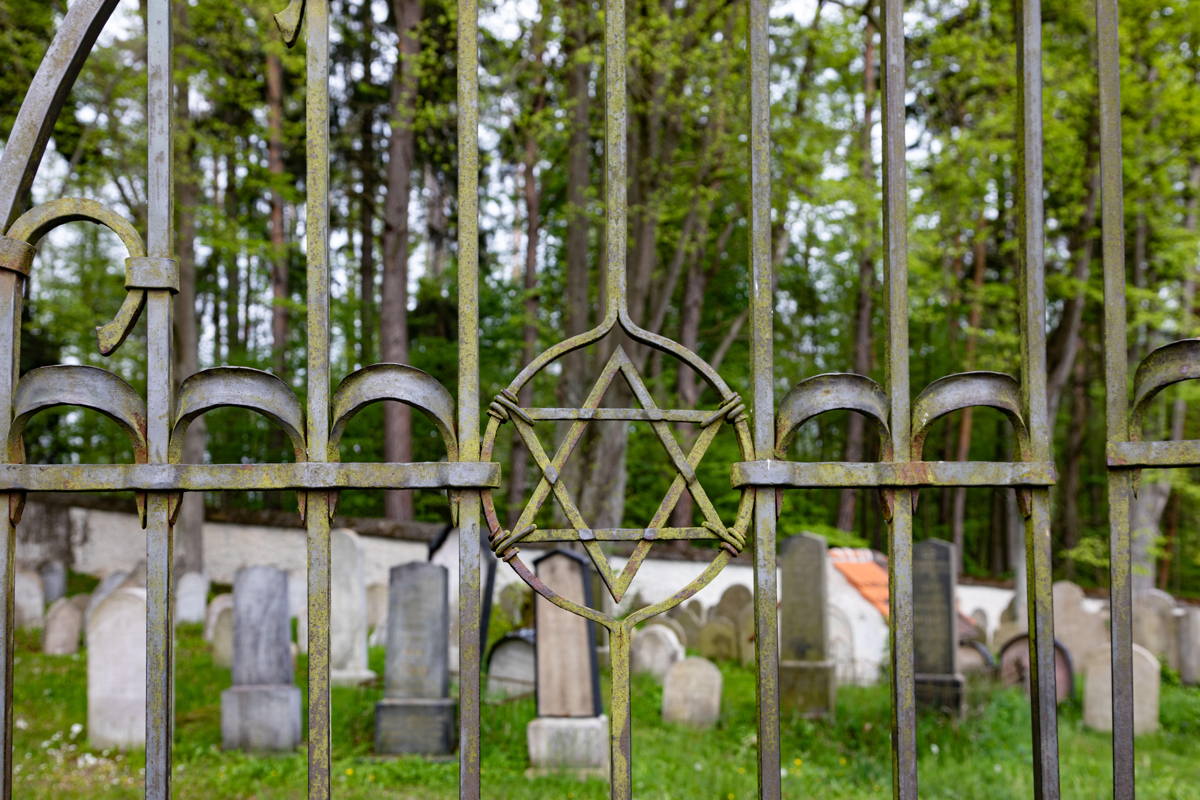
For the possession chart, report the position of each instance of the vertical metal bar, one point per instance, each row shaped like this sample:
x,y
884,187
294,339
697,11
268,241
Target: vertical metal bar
x,y
616,222
1120,483
621,722
762,379
317,503
1033,389
159,386
10,361
895,245
469,532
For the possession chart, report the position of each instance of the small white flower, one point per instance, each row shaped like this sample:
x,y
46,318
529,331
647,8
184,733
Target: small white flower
x,y
76,729
21,724
783,772
699,766
933,748
996,768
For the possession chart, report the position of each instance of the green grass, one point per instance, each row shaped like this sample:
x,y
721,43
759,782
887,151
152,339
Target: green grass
x,y
986,755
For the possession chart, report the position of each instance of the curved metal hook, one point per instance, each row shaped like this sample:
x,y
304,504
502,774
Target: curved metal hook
x,y
38,221
832,391
76,385
398,382
967,390
1172,363
237,387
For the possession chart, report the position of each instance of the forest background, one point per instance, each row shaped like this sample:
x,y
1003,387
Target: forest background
x,y
239,231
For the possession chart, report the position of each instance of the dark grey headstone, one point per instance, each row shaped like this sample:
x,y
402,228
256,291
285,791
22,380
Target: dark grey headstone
x,y
935,635
54,580
807,679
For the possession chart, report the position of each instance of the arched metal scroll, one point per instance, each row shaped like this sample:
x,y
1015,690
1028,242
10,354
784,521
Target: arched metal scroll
x,y
84,387
969,390
832,391
1172,363
398,382
238,387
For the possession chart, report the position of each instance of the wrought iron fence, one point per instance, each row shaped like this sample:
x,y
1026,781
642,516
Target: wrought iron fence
x,y
157,422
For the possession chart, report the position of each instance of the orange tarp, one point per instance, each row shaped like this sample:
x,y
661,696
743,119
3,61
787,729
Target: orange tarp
x,y
870,579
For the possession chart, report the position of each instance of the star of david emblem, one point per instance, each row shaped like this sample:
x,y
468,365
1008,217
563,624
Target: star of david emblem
x,y
552,483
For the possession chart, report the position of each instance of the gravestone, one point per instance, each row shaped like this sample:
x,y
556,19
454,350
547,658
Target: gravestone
x,y
136,577
54,579
1189,646
191,597
746,635
1155,626
654,650
673,624
29,601
569,732
718,640
735,598
1013,666
348,612
939,684
416,714
298,605
807,677
1097,690
107,586
1076,628
685,616
219,603
377,605
692,693
64,622
116,671
516,601
512,666
261,711
223,637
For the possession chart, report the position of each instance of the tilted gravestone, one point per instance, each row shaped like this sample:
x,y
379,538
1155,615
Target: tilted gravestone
x,y
29,601
718,639
733,600
1097,690
219,603
191,597
222,636
692,693
416,714
116,671
64,622
935,648
107,586
348,612
807,675
54,579
512,666
1156,625
654,649
569,732
261,712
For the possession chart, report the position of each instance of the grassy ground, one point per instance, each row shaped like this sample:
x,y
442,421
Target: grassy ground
x,y
986,755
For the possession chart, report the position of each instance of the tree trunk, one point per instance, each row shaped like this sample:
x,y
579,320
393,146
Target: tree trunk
x,y
189,527
393,329
856,425
576,320
366,204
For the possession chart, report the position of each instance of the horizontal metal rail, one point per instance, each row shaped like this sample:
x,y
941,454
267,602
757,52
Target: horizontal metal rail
x,y
849,475
1136,455
239,477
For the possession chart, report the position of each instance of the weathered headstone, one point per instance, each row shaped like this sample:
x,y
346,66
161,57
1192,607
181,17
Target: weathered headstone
x,y
107,585
29,601
416,714
1097,690
718,640
64,622
54,579
746,635
673,624
512,666
569,731
1013,666
136,577
732,601
1076,628
223,637
807,679
298,605
1155,625
261,711
655,648
377,605
348,612
219,603
191,597
516,601
116,671
935,648
1189,646
685,617
692,693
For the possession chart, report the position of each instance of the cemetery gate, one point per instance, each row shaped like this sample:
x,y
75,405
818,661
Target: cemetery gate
x,y
156,422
